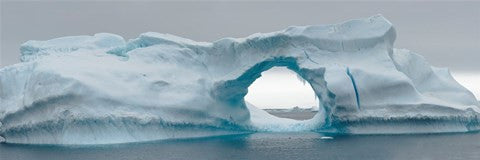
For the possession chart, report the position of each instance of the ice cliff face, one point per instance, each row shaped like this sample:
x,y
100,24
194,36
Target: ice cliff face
x,y
100,89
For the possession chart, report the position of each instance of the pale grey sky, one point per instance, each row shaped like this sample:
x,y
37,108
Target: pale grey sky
x,y
446,33
270,91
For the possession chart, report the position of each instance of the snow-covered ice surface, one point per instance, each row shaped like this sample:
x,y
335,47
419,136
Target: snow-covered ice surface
x,y
101,89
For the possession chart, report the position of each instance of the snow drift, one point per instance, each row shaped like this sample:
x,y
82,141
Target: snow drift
x,y
101,89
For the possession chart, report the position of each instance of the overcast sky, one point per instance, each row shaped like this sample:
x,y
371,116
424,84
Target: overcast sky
x,y
446,33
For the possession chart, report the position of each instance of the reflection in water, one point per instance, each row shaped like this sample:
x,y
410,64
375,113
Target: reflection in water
x,y
306,145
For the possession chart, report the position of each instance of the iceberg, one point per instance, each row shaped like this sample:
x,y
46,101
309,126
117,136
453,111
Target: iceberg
x,y
102,89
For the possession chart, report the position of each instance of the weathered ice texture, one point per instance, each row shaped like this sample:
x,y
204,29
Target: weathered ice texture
x,y
101,89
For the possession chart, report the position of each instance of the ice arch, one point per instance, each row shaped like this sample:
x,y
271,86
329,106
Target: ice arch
x,y
103,89
232,92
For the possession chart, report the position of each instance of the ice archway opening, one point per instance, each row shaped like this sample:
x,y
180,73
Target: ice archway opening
x,y
232,93
283,93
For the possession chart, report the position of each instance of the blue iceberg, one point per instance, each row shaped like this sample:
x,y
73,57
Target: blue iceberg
x,y
102,89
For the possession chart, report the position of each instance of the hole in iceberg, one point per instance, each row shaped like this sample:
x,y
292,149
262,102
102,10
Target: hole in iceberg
x,y
283,93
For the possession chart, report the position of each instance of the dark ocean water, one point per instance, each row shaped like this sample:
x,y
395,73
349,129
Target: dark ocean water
x,y
267,146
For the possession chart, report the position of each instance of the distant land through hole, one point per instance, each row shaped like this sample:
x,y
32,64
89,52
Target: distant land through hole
x,y
283,93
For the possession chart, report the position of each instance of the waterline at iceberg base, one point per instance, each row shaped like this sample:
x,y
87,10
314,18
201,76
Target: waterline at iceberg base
x,y
102,89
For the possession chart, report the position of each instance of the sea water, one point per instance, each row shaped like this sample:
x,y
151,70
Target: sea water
x,y
267,146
